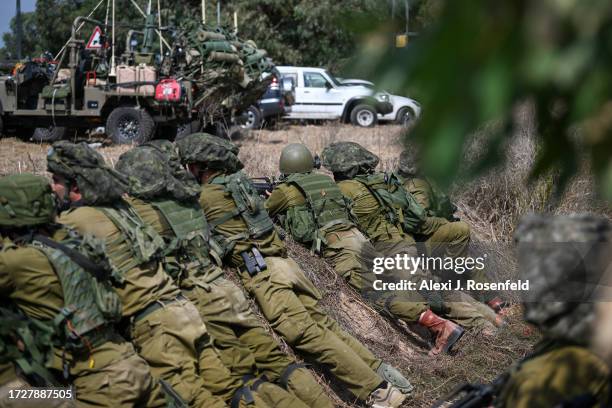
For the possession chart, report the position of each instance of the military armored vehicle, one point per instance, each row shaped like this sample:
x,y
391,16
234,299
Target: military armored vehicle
x,y
204,78
43,98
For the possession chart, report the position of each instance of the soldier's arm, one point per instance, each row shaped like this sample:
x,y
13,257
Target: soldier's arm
x,y
277,202
421,192
6,282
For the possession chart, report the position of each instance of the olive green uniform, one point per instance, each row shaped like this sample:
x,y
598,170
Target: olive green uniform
x,y
289,300
441,236
557,375
390,240
111,374
168,333
243,344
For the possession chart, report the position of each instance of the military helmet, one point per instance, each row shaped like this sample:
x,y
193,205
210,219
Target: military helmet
x,y
98,183
170,152
562,257
296,158
150,175
212,151
25,199
348,158
408,163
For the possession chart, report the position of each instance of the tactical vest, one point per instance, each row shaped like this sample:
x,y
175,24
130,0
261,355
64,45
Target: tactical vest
x,y
324,208
90,305
397,205
192,245
249,206
144,242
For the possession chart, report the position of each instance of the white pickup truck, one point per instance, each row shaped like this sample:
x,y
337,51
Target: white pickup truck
x,y
318,95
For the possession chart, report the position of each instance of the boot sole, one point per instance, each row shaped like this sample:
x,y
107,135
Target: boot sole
x,y
453,339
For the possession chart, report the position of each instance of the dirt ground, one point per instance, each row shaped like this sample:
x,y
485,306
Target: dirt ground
x,y
491,204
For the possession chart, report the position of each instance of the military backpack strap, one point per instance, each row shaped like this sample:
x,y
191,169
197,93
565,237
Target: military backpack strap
x,y
283,381
98,271
144,242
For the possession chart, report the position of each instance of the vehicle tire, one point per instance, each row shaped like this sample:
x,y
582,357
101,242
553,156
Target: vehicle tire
x,y
405,117
187,128
1,127
253,118
127,125
48,134
364,116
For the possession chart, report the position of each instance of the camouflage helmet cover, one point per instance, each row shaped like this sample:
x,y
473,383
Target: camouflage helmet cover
x,y
212,151
98,183
348,158
562,256
150,175
408,163
295,158
25,200
170,153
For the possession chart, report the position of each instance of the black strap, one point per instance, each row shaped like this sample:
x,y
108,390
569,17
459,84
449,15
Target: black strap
x,y
284,378
97,271
258,382
241,392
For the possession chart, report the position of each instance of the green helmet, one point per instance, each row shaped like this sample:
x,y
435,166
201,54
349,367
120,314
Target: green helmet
x,y
563,258
98,183
211,151
348,159
408,163
25,199
170,153
296,158
150,175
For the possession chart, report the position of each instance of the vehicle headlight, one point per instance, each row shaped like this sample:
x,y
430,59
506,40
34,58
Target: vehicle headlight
x,y
383,97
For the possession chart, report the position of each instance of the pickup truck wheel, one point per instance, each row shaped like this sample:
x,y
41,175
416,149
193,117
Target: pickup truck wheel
x,y
49,134
364,116
127,125
405,117
253,118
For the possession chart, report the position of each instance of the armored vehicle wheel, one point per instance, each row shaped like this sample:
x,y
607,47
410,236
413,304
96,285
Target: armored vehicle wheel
x,y
187,128
48,134
364,116
128,125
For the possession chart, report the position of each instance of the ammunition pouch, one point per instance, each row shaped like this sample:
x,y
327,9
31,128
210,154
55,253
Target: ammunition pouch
x,y
253,261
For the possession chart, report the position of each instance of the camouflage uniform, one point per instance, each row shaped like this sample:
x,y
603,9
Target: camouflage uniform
x,y
103,367
285,295
558,254
164,326
242,342
350,164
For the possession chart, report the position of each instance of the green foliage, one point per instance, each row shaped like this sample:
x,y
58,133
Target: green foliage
x,y
30,39
481,59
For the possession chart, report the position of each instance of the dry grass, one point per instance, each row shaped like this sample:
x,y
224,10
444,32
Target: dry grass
x,y
492,204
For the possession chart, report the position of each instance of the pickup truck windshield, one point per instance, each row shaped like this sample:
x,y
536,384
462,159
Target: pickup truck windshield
x,y
333,79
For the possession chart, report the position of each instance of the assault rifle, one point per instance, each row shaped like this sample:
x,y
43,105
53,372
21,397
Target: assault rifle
x,y
263,184
475,395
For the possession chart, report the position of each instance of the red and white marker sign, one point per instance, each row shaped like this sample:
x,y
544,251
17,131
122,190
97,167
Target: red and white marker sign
x,y
95,41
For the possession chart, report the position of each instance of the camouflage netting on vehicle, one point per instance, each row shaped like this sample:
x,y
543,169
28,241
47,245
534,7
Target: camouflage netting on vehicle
x,y
225,71
25,199
150,175
215,152
348,159
98,183
564,258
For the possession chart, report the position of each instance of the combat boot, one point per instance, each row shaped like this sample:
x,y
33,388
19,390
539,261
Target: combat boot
x,y
447,333
386,396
